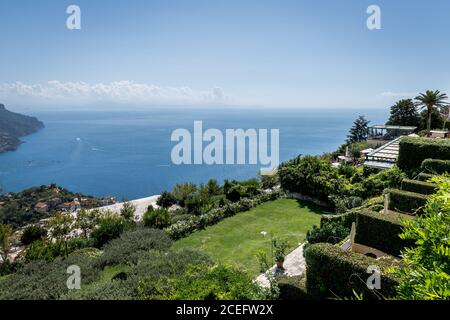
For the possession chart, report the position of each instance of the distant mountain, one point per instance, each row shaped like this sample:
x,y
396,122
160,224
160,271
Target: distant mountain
x,y
13,126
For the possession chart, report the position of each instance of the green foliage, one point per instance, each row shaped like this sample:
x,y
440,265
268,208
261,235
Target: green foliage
x,y
359,131
311,176
127,211
110,227
426,274
33,233
347,275
182,191
166,200
5,238
210,189
132,245
406,202
48,250
236,190
413,151
375,184
404,113
280,248
183,228
203,282
269,181
437,121
40,280
418,186
380,231
18,208
424,176
293,288
156,218
432,102
330,232
436,166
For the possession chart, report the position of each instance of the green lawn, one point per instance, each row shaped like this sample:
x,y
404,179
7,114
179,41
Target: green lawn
x,y
236,240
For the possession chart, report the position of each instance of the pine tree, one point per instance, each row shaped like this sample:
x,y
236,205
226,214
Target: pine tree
x,y
359,131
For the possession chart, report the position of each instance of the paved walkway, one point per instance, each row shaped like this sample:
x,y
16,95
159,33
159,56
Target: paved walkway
x,y
294,265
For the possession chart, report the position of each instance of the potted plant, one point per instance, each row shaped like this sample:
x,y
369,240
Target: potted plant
x,y
279,251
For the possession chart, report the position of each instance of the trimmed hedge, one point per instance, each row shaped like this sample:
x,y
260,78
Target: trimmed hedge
x,y
334,272
414,150
380,231
419,186
346,219
293,288
406,201
425,176
436,166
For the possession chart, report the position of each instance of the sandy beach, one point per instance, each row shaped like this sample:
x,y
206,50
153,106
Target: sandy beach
x,y
140,204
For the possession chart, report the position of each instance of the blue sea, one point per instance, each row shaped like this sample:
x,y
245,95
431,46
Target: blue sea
x,y
128,154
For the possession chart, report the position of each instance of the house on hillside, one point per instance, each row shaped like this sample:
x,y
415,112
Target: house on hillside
x,y
41,207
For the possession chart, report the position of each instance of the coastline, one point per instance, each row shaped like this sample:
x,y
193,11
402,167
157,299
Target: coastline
x,y
140,204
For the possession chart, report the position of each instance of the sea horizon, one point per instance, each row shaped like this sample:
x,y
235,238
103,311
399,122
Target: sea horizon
x,y
126,154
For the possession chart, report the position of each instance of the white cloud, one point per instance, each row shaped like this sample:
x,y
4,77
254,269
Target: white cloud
x,y
390,94
119,92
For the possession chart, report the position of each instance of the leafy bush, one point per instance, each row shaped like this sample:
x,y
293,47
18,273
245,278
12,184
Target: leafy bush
x,y
311,176
133,244
426,274
330,232
349,273
110,227
293,288
40,280
436,166
203,282
375,184
33,233
166,200
419,186
380,231
182,191
413,151
406,202
156,218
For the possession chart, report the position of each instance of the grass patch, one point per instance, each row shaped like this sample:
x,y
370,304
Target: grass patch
x,y
236,240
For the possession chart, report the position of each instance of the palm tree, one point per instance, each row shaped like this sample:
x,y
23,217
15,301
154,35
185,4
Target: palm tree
x,y
431,100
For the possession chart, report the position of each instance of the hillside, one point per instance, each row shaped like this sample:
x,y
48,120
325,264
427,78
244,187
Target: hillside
x,y
13,126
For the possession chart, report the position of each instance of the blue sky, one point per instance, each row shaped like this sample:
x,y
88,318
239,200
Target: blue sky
x,y
249,52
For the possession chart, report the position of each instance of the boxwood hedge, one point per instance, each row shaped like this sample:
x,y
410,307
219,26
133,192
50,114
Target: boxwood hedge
x,y
406,201
293,288
436,166
334,272
419,186
414,150
423,176
380,231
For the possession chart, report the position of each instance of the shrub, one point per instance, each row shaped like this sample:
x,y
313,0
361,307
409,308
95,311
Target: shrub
x,y
311,176
157,218
349,273
203,282
436,166
406,202
424,176
293,288
380,231
166,200
375,184
413,151
110,227
45,250
182,191
426,274
133,244
419,186
33,233
40,280
330,232
128,210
